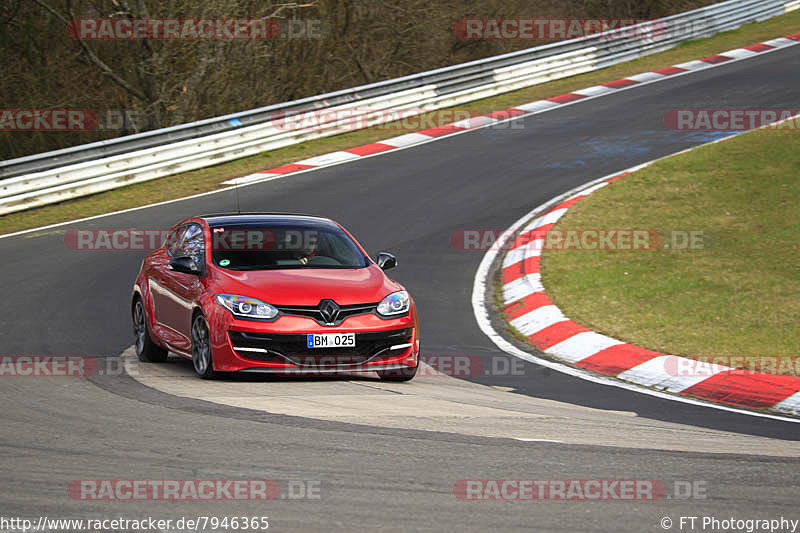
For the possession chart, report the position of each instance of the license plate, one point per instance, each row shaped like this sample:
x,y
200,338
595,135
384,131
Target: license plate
x,y
331,340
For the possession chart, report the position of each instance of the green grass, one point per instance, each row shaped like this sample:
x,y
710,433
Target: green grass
x,y
209,179
737,295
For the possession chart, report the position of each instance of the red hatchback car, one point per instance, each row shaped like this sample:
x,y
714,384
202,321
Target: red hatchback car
x,y
276,293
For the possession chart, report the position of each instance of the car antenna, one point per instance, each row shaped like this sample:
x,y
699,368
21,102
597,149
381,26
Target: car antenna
x,y
238,209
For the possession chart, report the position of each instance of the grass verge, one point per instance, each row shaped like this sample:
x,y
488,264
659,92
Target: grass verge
x,y
208,179
735,293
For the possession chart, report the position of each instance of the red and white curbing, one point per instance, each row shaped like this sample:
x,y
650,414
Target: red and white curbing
x,y
529,310
519,111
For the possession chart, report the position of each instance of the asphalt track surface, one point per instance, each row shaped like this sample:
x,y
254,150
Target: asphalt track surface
x,y
58,301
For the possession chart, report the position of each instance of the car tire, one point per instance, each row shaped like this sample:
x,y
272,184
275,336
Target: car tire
x,y
405,374
202,360
146,350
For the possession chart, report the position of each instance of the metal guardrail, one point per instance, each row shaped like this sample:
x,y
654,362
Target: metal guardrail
x,y
52,177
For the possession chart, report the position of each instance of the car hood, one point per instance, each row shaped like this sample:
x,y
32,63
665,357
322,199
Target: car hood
x,y
309,286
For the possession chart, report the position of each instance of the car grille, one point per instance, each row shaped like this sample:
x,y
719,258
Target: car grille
x,y
313,311
293,348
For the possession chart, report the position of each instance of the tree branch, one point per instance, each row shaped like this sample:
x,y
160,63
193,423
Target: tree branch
x,y
90,54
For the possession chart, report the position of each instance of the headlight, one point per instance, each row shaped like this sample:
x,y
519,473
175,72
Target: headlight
x,y
247,308
396,303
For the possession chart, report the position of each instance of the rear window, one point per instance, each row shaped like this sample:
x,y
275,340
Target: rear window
x,y
283,246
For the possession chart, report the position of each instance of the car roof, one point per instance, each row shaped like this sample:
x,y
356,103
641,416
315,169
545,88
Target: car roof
x,y
221,219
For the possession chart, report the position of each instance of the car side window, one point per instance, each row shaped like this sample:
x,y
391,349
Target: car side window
x,y
192,244
173,240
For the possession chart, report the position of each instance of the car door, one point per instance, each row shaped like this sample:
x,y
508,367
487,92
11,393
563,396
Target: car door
x,y
181,290
158,280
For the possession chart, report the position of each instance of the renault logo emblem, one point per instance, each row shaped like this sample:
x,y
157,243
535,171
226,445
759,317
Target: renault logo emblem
x,y
329,311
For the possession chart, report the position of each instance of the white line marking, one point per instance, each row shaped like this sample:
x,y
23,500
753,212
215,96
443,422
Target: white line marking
x,y
408,139
538,319
780,42
531,249
654,373
595,90
790,404
249,178
522,287
646,76
695,65
327,159
740,53
589,191
538,106
474,122
550,218
582,345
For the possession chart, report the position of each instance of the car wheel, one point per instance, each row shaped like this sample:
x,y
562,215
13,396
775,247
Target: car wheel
x,y
405,374
146,350
202,361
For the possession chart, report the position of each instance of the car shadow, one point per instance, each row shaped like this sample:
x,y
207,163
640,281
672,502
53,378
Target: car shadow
x,y
253,377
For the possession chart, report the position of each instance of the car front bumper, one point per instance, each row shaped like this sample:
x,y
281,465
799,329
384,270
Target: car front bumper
x,y
280,346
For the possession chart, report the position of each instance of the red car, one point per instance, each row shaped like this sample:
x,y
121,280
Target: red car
x,y
273,293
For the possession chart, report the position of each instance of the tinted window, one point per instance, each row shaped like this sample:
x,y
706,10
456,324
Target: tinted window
x,y
284,246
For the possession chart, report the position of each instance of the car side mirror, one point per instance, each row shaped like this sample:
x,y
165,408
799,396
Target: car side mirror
x,y
386,261
185,265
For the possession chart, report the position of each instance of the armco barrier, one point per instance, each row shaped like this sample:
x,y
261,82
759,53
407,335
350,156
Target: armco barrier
x,y
51,177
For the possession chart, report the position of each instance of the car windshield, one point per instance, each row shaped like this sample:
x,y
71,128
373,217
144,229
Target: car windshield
x,y
283,246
